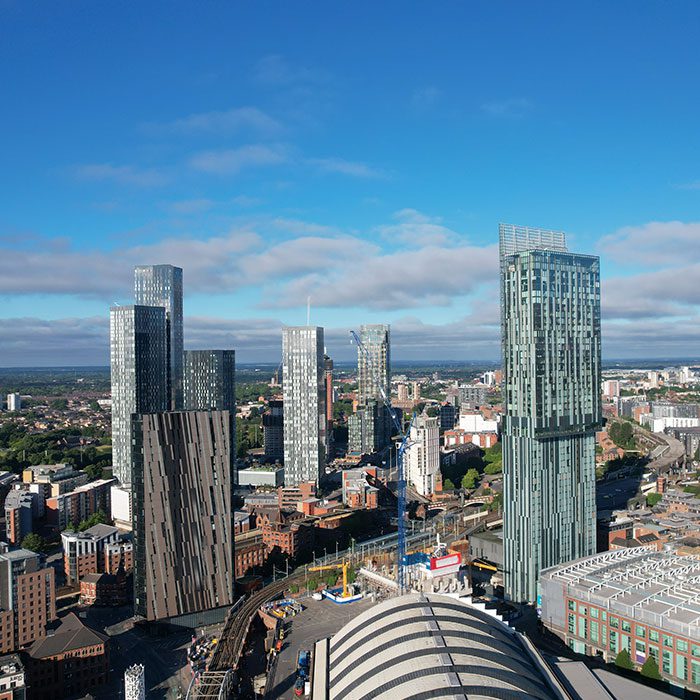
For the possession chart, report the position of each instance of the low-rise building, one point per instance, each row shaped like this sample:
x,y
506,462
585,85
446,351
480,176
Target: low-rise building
x,y
249,554
72,661
104,589
289,497
57,478
358,488
27,599
12,678
78,505
640,600
119,555
268,475
86,552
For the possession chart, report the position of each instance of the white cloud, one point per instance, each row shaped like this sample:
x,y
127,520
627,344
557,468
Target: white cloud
x,y
190,206
222,122
121,174
654,244
417,229
345,167
233,160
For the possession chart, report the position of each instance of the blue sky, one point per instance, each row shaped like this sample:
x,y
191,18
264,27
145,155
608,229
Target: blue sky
x,y
358,153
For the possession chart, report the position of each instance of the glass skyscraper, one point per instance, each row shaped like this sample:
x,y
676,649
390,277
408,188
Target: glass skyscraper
x,y
370,426
551,361
139,366
304,393
210,380
161,285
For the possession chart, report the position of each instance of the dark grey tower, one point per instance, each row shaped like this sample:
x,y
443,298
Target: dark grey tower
x,y
210,380
139,367
161,285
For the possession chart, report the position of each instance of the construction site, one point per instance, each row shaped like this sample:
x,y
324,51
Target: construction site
x,y
266,646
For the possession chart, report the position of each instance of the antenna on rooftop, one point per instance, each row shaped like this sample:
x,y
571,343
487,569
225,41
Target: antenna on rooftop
x,y
308,311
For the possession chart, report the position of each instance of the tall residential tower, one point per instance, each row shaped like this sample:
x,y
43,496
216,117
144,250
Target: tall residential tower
x,y
370,426
551,360
209,380
161,285
304,393
139,366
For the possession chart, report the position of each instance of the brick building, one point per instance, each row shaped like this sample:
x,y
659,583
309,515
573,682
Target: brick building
x,y
639,600
78,505
74,660
249,555
27,599
289,497
104,589
84,552
116,554
359,490
18,515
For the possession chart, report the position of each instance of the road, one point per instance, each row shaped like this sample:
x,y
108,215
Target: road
x,y
322,618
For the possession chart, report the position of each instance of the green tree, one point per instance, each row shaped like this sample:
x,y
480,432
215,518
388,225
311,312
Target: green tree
x,y
34,543
650,669
493,468
623,660
59,404
448,485
470,479
95,519
653,499
312,584
293,588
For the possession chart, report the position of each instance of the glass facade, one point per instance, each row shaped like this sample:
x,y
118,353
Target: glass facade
x,y
161,285
304,393
551,361
138,361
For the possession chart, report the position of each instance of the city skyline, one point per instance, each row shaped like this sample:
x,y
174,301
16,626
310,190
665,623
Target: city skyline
x,y
258,172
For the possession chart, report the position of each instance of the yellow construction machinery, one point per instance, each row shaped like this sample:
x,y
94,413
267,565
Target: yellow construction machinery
x,y
344,566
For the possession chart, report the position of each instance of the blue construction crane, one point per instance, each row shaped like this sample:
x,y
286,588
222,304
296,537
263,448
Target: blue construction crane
x,y
401,478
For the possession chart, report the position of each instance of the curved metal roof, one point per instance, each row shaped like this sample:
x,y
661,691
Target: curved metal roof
x,y
431,646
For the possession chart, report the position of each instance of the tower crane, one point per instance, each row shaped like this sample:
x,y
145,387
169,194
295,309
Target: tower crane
x,y
401,478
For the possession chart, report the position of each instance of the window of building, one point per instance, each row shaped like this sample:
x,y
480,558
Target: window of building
x,y
681,666
667,662
640,631
572,605
668,641
695,672
626,626
654,635
614,622
681,645
594,612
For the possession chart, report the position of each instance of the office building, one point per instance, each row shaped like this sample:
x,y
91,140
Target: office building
x,y
611,388
551,361
448,416
14,402
273,431
183,516
161,285
473,395
304,395
638,599
27,599
422,457
210,380
139,365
